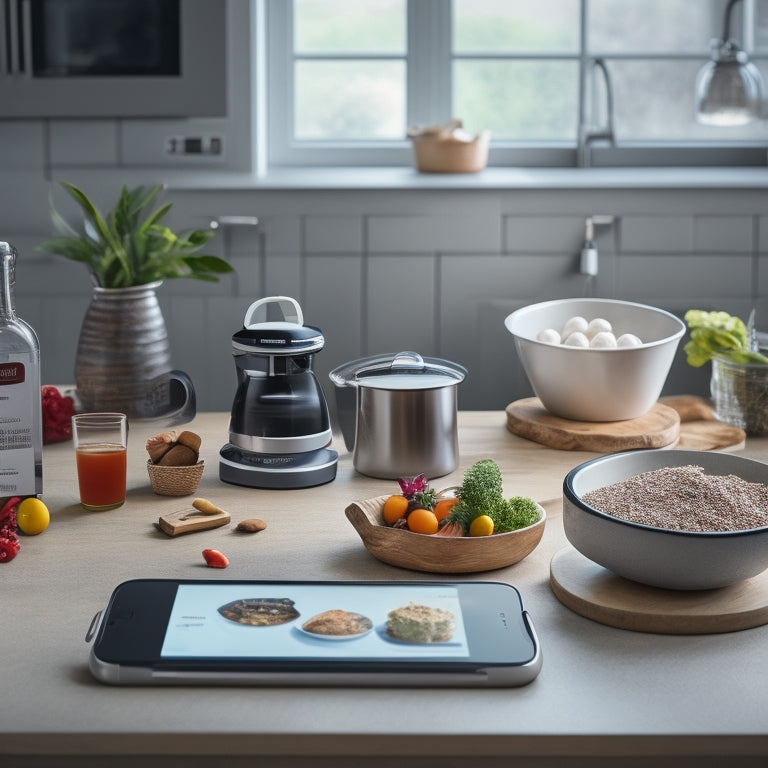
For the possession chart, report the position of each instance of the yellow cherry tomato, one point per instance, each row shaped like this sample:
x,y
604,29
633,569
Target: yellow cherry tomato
x,y
32,516
482,525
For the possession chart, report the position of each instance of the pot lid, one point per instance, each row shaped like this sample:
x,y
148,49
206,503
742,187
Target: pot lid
x,y
262,333
404,370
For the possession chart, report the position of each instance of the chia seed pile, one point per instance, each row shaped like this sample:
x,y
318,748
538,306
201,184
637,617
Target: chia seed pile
x,y
685,499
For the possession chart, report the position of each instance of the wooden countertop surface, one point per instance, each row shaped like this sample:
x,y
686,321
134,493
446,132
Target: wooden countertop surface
x,y
603,693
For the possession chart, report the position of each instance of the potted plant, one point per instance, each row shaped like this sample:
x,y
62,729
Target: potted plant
x,y
123,355
739,383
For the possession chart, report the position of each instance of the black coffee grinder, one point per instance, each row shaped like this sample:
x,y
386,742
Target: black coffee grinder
x,y
280,428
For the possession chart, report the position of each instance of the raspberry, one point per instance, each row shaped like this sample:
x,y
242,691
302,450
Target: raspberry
x,y
57,414
9,547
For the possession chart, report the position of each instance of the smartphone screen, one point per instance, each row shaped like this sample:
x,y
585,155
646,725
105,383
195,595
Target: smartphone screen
x,y
292,631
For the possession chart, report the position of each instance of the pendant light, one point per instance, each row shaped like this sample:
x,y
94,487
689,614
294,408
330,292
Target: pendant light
x,y
729,88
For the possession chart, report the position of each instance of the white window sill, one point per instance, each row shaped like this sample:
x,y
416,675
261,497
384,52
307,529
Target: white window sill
x,y
406,178
403,178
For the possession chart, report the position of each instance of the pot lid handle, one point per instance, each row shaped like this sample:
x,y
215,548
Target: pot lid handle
x,y
289,307
411,360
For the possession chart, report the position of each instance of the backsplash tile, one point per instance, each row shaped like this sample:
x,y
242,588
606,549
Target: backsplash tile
x,y
381,271
724,234
657,234
83,142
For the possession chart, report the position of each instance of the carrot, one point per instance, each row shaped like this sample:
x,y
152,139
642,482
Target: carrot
x,y
450,529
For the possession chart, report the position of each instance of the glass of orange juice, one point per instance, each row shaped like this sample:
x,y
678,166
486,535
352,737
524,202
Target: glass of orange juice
x,y
100,449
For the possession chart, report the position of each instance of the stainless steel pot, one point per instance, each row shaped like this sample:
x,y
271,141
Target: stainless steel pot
x,y
398,414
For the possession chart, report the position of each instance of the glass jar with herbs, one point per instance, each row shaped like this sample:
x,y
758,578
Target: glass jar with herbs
x,y
739,382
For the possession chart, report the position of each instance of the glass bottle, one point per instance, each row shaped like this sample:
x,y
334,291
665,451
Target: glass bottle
x,y
21,432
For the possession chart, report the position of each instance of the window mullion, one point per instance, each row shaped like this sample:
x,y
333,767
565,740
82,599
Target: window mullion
x,y
280,118
429,62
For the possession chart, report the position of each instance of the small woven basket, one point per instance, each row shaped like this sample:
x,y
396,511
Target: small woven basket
x,y
175,481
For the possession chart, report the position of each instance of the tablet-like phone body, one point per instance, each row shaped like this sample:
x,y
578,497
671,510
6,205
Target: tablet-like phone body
x,y
394,633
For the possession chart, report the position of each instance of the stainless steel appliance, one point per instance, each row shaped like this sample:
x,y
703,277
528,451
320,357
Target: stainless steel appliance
x,y
113,58
280,426
398,414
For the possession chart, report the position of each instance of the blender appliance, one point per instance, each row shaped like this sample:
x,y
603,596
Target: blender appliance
x,y
280,428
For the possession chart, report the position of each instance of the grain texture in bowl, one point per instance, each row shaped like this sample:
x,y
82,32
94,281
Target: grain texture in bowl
x,y
662,557
440,554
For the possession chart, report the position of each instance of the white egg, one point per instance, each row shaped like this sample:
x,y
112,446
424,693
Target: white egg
x,y
628,340
574,324
549,335
603,340
598,325
576,339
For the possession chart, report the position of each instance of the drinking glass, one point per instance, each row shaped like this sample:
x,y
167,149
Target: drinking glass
x,y
100,449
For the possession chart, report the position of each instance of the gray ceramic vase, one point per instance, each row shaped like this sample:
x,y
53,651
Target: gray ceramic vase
x,y
123,358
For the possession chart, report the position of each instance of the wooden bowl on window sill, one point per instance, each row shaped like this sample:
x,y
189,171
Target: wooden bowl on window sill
x,y
445,153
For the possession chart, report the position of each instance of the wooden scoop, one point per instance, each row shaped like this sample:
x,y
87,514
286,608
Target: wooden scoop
x,y
201,516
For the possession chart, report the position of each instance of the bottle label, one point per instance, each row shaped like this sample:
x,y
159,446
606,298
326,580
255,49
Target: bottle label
x,y
17,453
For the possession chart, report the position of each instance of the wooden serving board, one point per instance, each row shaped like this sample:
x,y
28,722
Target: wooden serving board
x,y
681,421
598,594
528,418
700,429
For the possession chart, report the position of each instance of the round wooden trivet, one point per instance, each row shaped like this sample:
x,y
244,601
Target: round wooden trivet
x,y
598,594
658,428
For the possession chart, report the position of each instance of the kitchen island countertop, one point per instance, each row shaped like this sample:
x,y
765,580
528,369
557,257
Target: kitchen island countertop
x,y
605,696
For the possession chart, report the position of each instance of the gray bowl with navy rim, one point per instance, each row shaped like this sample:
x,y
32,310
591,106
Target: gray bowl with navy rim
x,y
660,557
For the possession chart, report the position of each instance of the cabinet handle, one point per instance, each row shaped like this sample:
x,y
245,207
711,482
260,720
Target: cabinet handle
x,y
235,221
15,37
25,57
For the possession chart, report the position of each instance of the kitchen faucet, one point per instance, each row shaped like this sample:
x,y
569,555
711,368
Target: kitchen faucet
x,y
589,135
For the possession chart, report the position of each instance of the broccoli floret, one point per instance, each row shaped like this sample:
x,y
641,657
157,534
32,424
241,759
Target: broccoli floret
x,y
481,493
482,487
517,512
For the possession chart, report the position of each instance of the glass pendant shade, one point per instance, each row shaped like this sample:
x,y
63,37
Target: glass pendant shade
x,y
729,89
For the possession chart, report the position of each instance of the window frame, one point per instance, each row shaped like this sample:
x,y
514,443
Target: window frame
x,y
428,90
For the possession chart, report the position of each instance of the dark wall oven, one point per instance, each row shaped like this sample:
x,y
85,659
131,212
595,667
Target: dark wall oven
x,y
112,58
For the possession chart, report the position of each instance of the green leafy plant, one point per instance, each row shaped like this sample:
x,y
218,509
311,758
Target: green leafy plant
x,y
129,245
718,334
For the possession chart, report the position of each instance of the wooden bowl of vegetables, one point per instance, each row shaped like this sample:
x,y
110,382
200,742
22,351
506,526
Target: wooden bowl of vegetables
x,y
450,549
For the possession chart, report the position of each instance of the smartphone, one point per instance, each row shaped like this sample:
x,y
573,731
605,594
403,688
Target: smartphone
x,y
394,633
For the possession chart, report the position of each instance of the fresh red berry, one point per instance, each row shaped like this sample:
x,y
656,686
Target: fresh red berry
x,y
57,412
215,559
9,547
9,507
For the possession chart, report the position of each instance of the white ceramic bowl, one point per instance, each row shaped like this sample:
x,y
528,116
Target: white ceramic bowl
x,y
662,557
606,384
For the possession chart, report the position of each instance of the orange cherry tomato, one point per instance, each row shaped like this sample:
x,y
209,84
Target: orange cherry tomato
x,y
394,508
443,507
422,520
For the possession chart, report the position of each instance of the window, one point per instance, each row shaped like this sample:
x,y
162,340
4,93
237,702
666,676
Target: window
x,y
346,78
